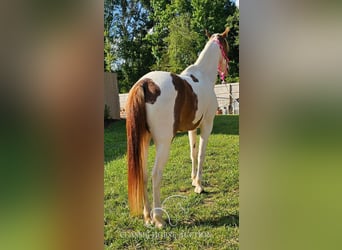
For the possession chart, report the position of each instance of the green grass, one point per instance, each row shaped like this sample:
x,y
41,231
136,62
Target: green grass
x,y
206,221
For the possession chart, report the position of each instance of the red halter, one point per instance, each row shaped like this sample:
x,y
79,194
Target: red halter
x,y
222,72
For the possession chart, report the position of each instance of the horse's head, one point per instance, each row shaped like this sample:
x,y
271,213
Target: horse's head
x,y
220,40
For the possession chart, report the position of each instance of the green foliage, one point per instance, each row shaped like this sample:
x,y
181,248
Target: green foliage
x,y
210,15
207,221
126,25
108,51
234,42
109,56
181,44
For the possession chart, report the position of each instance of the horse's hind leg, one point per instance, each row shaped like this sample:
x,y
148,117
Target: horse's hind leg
x,y
162,155
193,153
205,132
147,207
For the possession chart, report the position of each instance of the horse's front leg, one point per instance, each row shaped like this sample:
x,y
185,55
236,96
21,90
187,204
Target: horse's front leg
x,y
205,132
193,154
162,154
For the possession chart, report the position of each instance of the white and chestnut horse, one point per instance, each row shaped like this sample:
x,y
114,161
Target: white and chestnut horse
x,y
161,104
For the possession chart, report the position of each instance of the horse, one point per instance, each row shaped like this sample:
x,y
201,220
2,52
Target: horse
x,y
159,105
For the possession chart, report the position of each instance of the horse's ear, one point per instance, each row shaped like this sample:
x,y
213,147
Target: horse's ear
x,y
225,33
207,34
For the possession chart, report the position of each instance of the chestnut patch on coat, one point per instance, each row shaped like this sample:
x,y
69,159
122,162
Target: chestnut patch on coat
x,y
185,105
193,78
151,90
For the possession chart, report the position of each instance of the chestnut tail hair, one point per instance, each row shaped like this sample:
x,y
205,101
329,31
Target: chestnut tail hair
x,y
137,143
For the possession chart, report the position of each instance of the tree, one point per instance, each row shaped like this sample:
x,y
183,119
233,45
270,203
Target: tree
x,y
140,36
178,31
214,16
127,25
210,15
109,56
234,42
181,43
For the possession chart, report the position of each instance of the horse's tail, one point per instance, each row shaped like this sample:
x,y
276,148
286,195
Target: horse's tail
x,y
137,143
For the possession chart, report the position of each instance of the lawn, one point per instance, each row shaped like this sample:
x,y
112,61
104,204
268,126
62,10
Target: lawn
x,y
197,221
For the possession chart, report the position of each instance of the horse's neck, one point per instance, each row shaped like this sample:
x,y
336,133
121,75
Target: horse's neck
x,y
208,60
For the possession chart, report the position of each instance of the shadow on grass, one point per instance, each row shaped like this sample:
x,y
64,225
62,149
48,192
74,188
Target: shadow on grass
x,y
223,124
115,140
226,124
231,220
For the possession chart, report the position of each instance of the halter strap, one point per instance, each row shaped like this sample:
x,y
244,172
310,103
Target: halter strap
x,y
222,72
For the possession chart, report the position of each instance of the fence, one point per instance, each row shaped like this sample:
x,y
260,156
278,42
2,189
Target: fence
x,y
227,98
111,95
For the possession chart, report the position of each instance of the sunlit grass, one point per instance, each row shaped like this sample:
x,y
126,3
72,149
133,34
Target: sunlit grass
x,y
209,220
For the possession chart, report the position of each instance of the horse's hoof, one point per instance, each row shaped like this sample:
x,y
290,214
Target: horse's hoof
x,y
198,189
158,223
148,222
194,183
